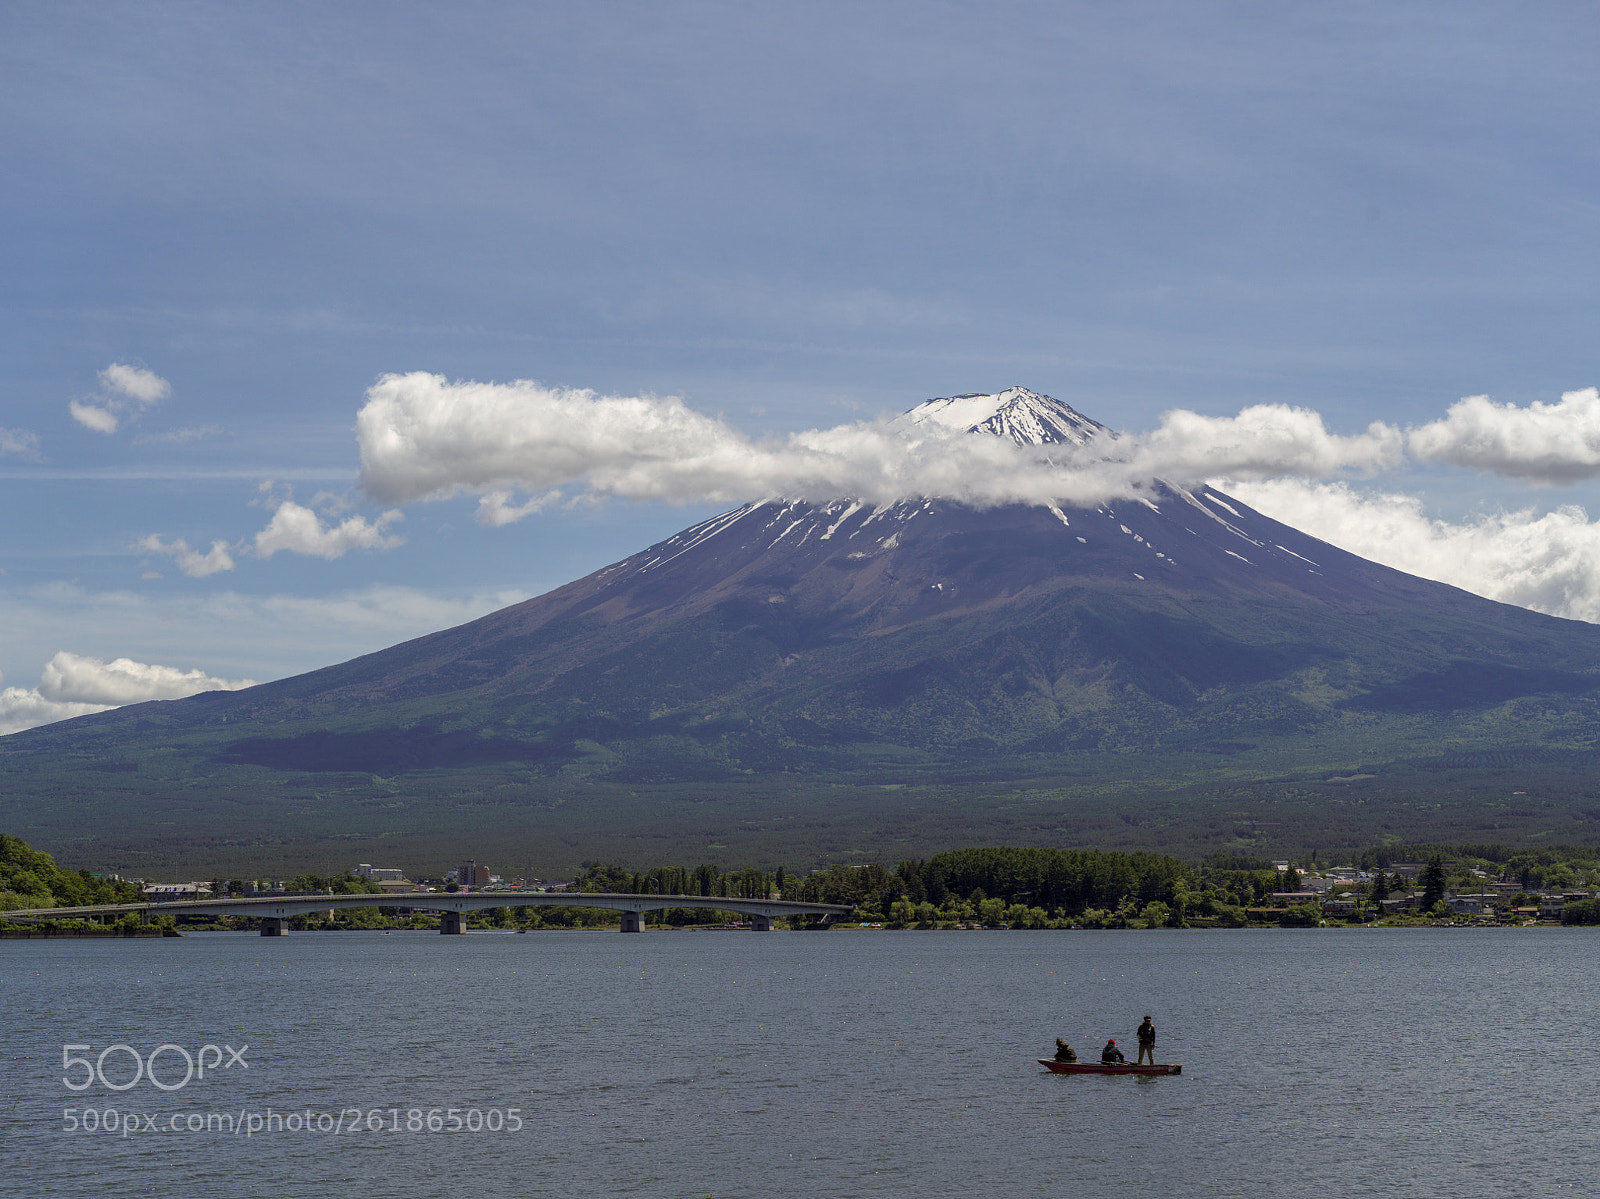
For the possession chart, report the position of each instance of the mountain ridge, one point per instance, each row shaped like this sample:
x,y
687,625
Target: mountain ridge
x,y
856,645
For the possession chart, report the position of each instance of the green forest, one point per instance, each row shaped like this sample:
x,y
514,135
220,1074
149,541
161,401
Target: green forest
x,y
30,878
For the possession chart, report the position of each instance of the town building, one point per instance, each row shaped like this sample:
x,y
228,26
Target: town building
x,y
156,892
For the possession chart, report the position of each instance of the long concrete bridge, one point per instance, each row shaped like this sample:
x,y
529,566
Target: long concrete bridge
x,y
274,911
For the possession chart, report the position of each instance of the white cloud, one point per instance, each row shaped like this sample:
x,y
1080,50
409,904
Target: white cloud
x,y
137,384
422,436
496,509
124,391
24,708
1545,443
20,442
73,678
74,685
1261,442
93,416
192,562
1549,562
296,529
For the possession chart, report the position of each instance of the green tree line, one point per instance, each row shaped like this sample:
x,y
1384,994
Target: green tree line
x,y
30,878
1016,887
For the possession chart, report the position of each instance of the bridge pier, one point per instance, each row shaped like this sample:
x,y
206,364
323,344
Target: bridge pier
x,y
633,922
761,924
452,923
272,926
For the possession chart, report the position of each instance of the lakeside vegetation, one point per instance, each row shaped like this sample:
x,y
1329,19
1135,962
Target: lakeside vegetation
x,y
30,878
1084,888
977,887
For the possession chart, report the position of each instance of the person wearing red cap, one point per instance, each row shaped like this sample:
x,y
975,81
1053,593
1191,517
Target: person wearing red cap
x,y
1111,1054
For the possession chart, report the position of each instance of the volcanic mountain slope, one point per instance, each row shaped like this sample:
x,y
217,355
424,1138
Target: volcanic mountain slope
x,y
853,640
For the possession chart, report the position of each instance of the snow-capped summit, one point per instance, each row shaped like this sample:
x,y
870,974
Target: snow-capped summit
x,y
1026,417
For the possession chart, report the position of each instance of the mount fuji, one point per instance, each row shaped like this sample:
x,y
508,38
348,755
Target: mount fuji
x,y
1165,670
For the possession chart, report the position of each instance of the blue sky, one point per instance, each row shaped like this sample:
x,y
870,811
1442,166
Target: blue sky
x,y
225,223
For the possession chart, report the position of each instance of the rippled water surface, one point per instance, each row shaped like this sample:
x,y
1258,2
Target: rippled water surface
x,y
1351,1062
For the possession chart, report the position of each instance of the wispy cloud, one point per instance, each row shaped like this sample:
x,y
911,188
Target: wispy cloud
x,y
19,442
179,436
192,562
496,508
125,392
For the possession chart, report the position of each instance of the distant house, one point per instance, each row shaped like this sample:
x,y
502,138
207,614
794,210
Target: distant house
x,y
1283,899
1551,906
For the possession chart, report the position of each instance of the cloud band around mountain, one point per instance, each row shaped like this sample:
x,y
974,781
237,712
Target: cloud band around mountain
x,y
422,436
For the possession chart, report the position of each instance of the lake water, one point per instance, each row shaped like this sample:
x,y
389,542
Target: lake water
x,y
1347,1062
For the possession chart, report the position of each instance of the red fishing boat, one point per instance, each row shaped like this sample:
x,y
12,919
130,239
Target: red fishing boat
x,y
1056,1067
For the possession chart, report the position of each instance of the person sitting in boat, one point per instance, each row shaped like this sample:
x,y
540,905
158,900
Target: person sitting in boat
x,y
1111,1055
1065,1052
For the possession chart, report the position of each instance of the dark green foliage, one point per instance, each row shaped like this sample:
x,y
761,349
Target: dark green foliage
x,y
30,878
1379,891
1301,915
1006,884
1581,911
1433,883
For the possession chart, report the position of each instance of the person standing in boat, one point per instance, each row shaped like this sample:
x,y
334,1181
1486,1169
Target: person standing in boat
x,y
1111,1055
1065,1052
1147,1041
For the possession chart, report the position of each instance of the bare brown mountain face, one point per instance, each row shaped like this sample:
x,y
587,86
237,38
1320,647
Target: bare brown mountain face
x,y
863,643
